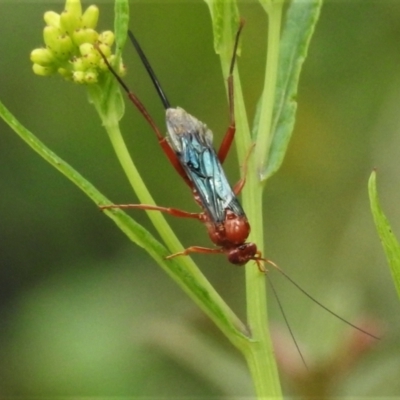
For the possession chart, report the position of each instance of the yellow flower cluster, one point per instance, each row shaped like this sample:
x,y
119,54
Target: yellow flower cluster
x,y
71,41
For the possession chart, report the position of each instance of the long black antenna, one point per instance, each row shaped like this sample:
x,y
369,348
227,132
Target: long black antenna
x,y
286,320
319,303
150,71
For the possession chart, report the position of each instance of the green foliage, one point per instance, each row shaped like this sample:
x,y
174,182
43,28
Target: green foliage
x,y
389,241
298,29
106,98
225,20
284,75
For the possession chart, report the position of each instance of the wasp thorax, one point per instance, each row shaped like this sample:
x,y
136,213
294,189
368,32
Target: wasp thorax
x,y
181,124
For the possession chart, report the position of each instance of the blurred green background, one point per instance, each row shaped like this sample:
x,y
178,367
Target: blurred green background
x,y
85,312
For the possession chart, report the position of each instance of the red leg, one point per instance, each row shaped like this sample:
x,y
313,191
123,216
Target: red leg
x,y
230,133
161,139
240,184
172,211
196,249
227,141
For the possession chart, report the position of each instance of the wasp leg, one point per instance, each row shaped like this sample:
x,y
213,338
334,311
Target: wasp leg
x,y
195,249
172,211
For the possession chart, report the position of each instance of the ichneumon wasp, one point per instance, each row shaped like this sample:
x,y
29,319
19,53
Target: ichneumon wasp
x,y
188,146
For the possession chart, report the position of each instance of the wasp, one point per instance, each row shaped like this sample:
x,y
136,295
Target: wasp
x,y
189,147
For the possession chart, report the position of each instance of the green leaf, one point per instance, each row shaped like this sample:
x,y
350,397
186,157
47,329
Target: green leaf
x,y
269,4
108,99
300,22
388,239
225,21
121,24
225,24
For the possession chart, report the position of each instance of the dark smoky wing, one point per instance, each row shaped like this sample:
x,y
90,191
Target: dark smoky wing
x,y
205,171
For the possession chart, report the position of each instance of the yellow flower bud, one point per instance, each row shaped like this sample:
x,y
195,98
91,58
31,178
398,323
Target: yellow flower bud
x,y
74,7
105,49
86,48
90,17
78,77
121,69
68,22
78,64
50,36
42,71
91,77
42,57
80,36
52,19
64,72
64,47
107,37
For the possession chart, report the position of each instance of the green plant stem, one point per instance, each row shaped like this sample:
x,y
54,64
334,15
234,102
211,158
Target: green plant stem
x,y
258,351
263,135
260,356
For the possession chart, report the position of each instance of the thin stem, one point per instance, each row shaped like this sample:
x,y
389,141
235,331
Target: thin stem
x,y
258,352
263,136
260,358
